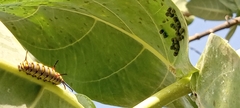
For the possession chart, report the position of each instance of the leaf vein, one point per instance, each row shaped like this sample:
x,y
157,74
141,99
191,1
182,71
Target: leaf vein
x,y
113,73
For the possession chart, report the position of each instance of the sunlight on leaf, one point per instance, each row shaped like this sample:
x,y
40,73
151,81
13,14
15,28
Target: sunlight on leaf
x,y
21,90
231,4
208,9
217,84
115,52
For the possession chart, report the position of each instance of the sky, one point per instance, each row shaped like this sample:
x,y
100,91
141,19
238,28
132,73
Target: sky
x,y
198,26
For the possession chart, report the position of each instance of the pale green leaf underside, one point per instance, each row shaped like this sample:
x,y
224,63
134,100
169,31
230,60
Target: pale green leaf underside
x,y
20,90
231,4
111,50
217,85
208,9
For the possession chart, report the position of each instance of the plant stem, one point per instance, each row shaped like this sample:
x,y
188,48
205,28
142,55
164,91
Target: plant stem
x,y
168,94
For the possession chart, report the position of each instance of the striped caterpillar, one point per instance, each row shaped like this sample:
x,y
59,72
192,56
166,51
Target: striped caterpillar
x,y
42,72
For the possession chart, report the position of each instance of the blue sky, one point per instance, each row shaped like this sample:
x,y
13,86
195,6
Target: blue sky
x,y
198,26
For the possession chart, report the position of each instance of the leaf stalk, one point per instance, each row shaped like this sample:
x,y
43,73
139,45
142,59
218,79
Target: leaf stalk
x,y
168,94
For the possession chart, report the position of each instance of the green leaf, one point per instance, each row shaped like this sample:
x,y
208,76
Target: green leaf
x,y
18,89
181,4
85,101
231,32
231,4
238,6
217,84
111,51
208,9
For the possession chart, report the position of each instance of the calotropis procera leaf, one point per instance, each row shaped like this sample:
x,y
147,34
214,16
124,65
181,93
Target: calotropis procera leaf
x,y
20,90
217,85
208,9
112,51
231,4
16,91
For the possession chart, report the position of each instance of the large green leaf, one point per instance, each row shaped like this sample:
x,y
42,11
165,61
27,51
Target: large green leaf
x,y
20,90
231,4
112,51
217,85
208,9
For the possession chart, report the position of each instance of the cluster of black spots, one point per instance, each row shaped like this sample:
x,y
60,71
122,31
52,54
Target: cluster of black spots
x,y
175,41
175,46
161,31
179,31
170,12
164,33
175,19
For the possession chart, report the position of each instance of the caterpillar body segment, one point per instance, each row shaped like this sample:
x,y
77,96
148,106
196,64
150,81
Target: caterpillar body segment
x,y
42,72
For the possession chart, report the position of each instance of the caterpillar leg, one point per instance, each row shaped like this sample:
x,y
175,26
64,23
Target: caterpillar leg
x,y
64,86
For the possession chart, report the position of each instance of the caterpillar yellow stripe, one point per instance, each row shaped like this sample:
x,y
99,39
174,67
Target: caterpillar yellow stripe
x,y
42,72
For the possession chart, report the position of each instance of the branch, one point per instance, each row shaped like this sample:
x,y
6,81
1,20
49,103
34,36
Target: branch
x,y
227,24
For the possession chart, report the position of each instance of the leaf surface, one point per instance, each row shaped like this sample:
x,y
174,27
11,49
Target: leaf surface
x,y
20,90
112,51
208,9
217,84
231,4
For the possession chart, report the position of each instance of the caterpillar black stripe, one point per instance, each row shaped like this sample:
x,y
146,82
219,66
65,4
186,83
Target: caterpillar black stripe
x,y
42,72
